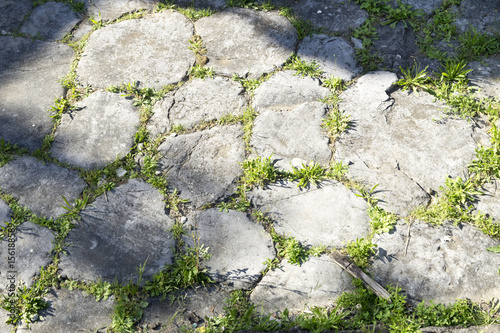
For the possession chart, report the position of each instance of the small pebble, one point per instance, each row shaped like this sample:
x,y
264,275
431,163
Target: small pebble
x,y
319,11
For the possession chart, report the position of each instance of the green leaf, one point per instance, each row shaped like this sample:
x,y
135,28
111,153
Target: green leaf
x,y
494,249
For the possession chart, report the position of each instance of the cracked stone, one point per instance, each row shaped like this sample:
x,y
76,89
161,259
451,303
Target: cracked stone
x,y
403,142
30,68
197,101
441,263
294,137
246,42
51,21
327,215
88,139
204,166
152,50
12,13
317,282
238,246
33,245
73,311
120,232
287,90
109,10
334,55
42,187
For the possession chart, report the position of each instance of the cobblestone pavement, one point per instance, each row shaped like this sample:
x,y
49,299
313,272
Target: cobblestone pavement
x,y
143,143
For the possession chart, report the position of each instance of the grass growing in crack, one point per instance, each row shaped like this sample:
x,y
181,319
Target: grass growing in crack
x,y
475,45
366,33
413,78
336,123
402,13
308,174
321,319
360,251
335,84
201,72
304,27
303,67
289,248
258,171
9,151
75,5
380,220
368,59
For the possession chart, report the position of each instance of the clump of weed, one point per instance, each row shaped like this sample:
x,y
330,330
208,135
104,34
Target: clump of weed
x,y
303,67
360,251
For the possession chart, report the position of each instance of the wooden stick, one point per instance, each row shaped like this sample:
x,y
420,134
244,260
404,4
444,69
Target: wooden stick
x,y
346,264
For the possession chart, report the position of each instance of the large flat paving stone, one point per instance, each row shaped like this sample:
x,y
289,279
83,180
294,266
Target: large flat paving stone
x,y
23,252
204,166
480,14
317,282
329,215
5,212
489,203
293,137
152,50
196,101
246,42
109,10
30,68
12,13
72,311
50,21
486,76
286,90
101,130
334,55
238,246
426,6
40,186
119,232
190,307
403,142
439,263
397,46
336,16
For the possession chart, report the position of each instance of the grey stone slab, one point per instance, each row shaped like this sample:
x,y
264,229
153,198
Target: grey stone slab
x,y
443,263
335,16
189,307
426,6
238,246
101,130
109,10
246,42
119,232
30,68
152,50
202,4
317,282
197,101
5,213
489,203
204,166
480,14
12,13
327,215
31,245
292,137
287,90
486,76
473,329
334,55
397,46
40,186
72,311
50,21
404,135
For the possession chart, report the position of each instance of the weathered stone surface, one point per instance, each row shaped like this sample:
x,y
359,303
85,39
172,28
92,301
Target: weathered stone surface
x,y
238,246
335,16
427,6
197,101
203,4
326,215
119,232
12,13
287,90
190,307
486,76
109,10
292,137
40,186
51,20
205,165
101,129
317,282
152,51
5,213
480,14
73,311
334,55
32,246
396,45
472,329
246,42
30,68
4,315
489,203
402,140
441,263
